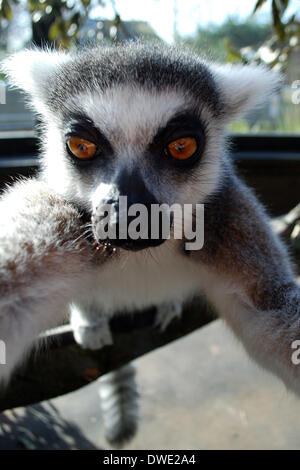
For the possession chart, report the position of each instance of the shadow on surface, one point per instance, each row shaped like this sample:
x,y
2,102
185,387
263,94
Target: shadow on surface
x,y
39,427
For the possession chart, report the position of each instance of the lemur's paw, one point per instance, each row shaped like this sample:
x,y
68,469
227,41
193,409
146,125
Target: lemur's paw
x,y
166,313
93,336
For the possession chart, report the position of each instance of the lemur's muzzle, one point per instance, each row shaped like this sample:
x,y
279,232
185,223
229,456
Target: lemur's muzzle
x,y
129,217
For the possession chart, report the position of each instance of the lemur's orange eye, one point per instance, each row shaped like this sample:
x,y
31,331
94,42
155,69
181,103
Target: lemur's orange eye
x,y
183,148
81,148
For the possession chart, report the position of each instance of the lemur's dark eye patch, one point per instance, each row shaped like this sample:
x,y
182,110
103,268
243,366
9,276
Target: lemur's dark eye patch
x,y
84,141
182,140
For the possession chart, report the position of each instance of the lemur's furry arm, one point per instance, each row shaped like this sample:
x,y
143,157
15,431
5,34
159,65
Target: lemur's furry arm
x,y
250,279
41,265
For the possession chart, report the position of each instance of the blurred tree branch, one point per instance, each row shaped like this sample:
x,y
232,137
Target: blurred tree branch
x,y
284,39
57,22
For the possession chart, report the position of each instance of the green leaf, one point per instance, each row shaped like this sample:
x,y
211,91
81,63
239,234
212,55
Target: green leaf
x,y
233,55
284,4
76,18
6,10
54,31
259,3
278,25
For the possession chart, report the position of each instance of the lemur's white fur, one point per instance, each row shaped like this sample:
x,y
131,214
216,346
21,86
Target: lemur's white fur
x,y
244,87
229,274
129,133
30,70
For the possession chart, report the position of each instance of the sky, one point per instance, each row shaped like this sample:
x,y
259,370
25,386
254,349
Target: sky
x,y
190,13
160,14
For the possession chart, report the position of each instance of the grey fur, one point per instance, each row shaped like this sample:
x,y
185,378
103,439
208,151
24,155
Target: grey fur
x,y
119,403
41,264
153,67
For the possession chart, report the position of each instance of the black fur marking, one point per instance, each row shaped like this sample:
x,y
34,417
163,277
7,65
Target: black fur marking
x,y
81,126
183,125
151,66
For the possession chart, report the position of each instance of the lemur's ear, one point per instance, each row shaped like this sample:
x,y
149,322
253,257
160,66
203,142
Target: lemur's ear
x,y
31,71
243,87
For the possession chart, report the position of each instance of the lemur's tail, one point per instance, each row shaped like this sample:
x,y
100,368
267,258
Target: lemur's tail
x,y
119,403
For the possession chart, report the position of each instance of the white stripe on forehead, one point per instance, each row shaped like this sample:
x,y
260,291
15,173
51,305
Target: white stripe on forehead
x,y
130,114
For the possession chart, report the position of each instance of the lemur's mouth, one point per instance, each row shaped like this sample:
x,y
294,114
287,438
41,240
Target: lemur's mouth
x,y
110,245
134,245
129,232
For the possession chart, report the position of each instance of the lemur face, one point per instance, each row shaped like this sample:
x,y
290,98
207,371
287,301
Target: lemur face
x,y
144,122
146,145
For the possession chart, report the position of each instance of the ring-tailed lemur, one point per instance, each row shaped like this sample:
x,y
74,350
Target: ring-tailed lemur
x,y
146,122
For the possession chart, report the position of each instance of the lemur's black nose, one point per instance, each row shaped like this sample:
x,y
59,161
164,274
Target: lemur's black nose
x,y
132,186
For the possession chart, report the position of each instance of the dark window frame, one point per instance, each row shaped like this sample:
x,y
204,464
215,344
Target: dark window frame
x,y
243,146
268,163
